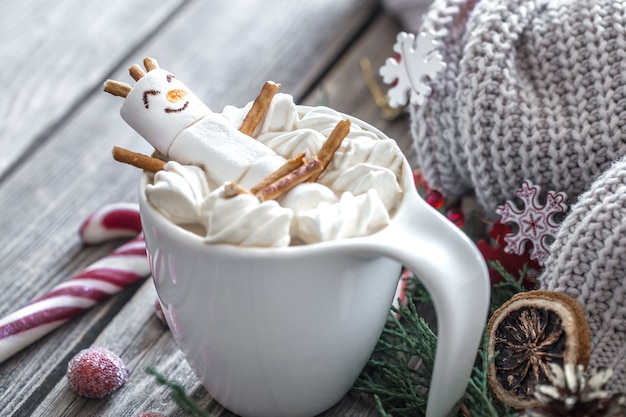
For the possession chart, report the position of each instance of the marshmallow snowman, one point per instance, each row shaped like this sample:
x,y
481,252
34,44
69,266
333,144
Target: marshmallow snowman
x,y
181,127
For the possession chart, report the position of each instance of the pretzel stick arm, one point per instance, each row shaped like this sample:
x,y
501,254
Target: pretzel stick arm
x,y
117,88
145,162
287,182
259,107
331,145
286,168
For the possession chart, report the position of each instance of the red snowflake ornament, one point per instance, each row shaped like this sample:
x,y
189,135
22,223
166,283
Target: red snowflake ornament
x,y
535,222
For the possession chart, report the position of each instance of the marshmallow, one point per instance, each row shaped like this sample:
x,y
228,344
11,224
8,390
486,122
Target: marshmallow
x,y
225,153
181,127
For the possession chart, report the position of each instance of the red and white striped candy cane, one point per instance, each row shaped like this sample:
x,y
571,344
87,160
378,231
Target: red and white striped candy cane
x,y
112,221
123,267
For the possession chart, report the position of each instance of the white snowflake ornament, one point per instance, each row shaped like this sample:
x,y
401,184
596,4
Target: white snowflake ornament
x,y
417,60
535,222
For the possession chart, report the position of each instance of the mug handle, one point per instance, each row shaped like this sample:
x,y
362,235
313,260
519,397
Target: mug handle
x,y
455,274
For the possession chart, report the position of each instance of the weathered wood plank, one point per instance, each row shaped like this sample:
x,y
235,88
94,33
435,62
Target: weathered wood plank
x,y
25,382
71,173
59,55
55,54
226,59
138,337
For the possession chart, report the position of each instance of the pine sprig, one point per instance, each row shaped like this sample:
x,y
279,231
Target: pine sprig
x,y
478,400
509,286
178,395
392,376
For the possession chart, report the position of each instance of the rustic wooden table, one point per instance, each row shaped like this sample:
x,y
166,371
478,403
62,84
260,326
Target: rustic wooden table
x,y
57,129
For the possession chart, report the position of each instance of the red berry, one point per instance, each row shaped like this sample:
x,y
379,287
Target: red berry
x,y
456,216
434,198
420,181
96,372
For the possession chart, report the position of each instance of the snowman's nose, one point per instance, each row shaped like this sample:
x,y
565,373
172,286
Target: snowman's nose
x,y
176,95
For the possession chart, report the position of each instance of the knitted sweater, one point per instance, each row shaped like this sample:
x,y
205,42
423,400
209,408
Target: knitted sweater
x,y
533,90
588,262
536,90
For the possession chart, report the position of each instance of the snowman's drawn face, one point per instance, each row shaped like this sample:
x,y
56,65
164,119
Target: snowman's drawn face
x,y
160,106
172,99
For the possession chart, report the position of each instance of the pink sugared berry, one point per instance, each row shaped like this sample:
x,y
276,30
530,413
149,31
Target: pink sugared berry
x,y
96,372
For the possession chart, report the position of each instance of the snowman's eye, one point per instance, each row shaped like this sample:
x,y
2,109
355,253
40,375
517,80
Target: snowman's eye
x,y
170,77
146,95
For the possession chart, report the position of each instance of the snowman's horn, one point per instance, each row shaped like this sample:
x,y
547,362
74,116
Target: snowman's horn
x,y
136,72
150,63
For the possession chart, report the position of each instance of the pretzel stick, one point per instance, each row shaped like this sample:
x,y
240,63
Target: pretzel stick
x,y
287,182
117,88
331,145
145,162
136,72
286,168
233,189
259,107
150,63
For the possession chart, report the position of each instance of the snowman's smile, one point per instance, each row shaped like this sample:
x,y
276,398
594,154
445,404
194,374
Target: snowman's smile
x,y
171,110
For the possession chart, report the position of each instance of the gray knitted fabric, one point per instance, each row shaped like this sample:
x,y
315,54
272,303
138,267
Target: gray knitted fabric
x,y
536,90
533,90
409,12
588,262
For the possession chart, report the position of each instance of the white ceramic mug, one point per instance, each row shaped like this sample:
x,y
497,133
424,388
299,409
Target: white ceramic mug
x,y
285,332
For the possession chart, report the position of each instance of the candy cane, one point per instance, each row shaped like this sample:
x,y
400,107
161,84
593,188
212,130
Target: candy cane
x,y
123,267
113,221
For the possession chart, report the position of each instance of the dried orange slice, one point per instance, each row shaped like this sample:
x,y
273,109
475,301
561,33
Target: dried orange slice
x,y
528,332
